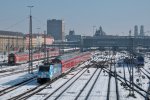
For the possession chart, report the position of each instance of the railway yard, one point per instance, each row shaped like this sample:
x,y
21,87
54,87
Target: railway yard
x,y
99,78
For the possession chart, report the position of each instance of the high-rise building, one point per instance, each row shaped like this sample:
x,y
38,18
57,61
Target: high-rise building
x,y
135,30
142,30
56,29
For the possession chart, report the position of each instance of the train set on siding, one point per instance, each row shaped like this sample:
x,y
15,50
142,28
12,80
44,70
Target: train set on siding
x,y
19,58
59,65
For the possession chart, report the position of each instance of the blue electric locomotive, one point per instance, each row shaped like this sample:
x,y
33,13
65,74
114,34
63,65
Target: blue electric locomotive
x,y
59,65
49,71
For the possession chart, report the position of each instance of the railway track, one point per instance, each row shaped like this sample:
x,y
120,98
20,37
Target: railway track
x,y
59,92
146,73
18,85
11,69
27,94
108,89
83,88
87,86
16,72
88,95
116,81
112,80
90,89
70,82
127,83
31,92
83,94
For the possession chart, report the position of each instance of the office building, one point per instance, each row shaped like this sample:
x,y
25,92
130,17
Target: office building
x,y
55,28
38,40
11,41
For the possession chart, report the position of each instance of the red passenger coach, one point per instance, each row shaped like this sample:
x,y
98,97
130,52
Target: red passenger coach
x,y
52,70
18,58
71,60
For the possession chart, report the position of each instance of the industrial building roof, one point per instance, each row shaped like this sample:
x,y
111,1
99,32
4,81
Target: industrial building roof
x,y
10,33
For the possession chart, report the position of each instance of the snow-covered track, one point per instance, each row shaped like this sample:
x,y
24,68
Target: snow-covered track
x,y
31,92
15,72
127,83
11,88
59,92
66,87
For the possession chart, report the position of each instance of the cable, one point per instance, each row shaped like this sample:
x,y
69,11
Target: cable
x,y
39,21
16,23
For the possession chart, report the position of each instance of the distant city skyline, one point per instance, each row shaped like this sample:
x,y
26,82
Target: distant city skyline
x,y
115,16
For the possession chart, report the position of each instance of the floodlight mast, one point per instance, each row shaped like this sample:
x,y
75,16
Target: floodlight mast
x,y
30,68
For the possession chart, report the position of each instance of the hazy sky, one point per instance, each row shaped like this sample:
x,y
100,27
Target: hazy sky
x,y
115,16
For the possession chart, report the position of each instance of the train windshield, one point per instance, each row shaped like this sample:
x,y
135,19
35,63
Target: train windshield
x,y
44,68
140,58
56,60
11,58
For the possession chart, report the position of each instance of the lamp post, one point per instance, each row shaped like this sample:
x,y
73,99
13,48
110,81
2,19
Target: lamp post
x,y
39,43
30,42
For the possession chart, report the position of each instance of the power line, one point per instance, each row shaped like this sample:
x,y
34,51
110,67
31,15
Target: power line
x,y
11,26
39,21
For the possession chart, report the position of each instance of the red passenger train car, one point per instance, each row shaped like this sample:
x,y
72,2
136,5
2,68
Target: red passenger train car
x,y
18,58
60,65
70,60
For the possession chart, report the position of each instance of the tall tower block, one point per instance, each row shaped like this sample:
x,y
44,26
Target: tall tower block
x,y
56,29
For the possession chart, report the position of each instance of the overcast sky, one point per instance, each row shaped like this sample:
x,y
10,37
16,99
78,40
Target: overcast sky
x,y
116,17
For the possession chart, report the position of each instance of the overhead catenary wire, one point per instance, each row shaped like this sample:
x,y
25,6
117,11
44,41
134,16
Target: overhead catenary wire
x,y
35,19
17,23
42,24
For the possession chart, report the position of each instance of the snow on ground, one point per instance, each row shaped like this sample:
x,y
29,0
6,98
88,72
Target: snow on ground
x,y
54,86
99,91
3,57
16,68
72,92
14,79
144,82
87,89
20,90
